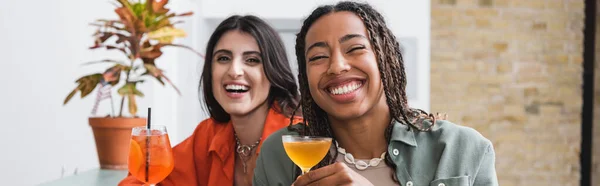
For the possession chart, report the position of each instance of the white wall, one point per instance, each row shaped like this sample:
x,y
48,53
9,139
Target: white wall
x,y
44,43
42,47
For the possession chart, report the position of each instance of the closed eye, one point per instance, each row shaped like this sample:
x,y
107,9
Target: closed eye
x,y
356,48
316,58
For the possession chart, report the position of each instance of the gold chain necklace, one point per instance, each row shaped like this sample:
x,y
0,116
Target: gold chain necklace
x,y
245,151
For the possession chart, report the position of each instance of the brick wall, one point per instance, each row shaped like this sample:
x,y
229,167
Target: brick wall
x,y
512,70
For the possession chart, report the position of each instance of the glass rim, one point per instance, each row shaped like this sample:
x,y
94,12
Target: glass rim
x,y
302,137
153,127
137,131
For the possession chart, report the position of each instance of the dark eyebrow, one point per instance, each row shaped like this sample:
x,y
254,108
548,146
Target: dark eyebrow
x,y
223,51
251,52
350,36
317,44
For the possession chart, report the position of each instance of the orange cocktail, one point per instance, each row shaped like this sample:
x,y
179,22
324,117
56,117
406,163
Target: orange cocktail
x,y
306,151
150,154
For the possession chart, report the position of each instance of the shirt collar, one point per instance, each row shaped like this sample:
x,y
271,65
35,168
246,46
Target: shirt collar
x,y
223,142
401,133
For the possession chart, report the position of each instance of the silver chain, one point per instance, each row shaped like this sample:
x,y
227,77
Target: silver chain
x,y
245,151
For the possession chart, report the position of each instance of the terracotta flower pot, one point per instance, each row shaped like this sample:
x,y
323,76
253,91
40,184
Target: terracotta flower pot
x,y
112,137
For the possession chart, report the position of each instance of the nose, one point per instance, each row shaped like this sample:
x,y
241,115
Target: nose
x,y
338,64
235,69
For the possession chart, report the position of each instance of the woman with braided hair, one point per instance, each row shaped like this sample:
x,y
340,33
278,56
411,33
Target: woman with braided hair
x,y
352,84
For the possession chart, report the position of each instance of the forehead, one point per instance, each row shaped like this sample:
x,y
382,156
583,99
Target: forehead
x,y
335,25
236,40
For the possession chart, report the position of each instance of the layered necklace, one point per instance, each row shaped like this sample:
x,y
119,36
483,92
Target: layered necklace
x,y
245,151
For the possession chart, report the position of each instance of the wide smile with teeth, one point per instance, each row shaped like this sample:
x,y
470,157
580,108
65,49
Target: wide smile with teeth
x,y
236,88
345,88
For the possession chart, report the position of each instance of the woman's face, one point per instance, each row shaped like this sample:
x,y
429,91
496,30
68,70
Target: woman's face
x,y
341,66
239,83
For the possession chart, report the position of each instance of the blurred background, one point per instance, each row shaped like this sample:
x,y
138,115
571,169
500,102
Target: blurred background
x,y
511,69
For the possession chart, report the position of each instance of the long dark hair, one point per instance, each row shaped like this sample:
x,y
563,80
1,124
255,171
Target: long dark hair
x,y
391,69
283,90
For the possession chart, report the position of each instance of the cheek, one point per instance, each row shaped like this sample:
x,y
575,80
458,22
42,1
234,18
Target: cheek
x,y
313,75
216,74
259,77
372,70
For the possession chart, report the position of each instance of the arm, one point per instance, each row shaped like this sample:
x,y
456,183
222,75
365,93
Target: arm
x,y
486,175
259,178
184,171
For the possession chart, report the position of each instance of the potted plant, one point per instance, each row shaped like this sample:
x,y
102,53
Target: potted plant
x,y
144,27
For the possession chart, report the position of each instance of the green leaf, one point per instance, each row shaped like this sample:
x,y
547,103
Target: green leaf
x,y
129,89
126,89
87,84
132,104
138,9
138,93
165,35
70,96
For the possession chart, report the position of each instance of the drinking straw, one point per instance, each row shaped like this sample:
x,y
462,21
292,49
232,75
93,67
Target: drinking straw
x,y
149,133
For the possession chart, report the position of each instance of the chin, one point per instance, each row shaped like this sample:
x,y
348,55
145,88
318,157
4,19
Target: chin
x,y
235,109
344,114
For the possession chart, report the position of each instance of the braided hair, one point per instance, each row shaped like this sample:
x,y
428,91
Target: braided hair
x,y
391,69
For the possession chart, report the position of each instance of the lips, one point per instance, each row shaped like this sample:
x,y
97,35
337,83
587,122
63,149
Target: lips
x,y
345,88
236,90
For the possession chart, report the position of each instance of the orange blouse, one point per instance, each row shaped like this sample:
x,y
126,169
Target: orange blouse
x,y
207,156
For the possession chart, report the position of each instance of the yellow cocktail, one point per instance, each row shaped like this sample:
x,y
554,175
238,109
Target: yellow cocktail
x,y
306,151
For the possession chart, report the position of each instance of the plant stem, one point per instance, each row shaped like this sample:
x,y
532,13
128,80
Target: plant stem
x,y
135,49
132,59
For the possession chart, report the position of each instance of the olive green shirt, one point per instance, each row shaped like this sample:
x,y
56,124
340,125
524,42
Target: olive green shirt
x,y
448,155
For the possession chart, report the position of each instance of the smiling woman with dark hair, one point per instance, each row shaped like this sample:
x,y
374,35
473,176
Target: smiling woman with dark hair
x,y
249,91
353,89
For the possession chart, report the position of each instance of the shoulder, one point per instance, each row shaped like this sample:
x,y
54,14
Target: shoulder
x,y
276,117
204,132
452,133
273,166
274,142
209,125
459,145
465,147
